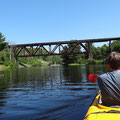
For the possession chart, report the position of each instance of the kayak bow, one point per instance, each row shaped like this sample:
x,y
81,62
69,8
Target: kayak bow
x,y
100,112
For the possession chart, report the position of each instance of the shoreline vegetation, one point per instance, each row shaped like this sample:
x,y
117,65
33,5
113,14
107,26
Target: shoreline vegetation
x,y
46,63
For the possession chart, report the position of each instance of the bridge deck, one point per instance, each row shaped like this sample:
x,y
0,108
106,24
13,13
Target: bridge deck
x,y
68,42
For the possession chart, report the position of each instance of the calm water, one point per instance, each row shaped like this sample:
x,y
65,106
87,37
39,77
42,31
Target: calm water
x,y
47,93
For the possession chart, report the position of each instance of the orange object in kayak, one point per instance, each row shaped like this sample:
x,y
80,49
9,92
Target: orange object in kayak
x,y
100,112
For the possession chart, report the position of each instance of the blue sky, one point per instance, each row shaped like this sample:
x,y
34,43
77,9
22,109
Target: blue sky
x,y
36,21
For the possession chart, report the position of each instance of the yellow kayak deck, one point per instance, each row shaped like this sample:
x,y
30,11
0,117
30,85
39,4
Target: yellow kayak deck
x,y
99,112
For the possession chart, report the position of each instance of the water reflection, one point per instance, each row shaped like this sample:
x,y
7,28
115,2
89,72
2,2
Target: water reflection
x,y
47,92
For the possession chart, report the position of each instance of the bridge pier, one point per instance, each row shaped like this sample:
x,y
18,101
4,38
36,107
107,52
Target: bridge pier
x,y
110,48
90,55
10,52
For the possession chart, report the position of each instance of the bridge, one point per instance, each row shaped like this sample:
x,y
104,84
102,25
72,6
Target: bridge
x,y
58,48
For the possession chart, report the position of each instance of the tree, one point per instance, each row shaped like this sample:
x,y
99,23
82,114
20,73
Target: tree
x,y
97,53
116,46
67,59
3,44
104,51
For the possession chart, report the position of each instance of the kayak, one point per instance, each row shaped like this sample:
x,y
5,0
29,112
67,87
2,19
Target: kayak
x,y
98,111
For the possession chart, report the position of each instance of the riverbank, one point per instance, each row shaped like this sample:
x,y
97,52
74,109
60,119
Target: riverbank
x,y
21,64
14,65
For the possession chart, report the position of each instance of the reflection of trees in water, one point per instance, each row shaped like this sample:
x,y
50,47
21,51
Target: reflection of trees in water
x,y
72,74
75,74
2,97
90,69
36,77
49,76
31,77
4,84
96,69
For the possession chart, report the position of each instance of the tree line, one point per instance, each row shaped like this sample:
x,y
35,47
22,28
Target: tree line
x,y
99,55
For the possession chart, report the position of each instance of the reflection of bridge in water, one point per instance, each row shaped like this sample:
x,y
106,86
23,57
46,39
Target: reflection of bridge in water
x,y
58,48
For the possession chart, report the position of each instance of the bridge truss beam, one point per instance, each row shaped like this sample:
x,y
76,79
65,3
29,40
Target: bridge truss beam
x,y
57,48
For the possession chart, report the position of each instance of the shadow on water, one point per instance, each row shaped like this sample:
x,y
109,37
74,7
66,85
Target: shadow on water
x,y
47,93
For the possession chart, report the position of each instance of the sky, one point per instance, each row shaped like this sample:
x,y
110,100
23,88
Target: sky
x,y
38,21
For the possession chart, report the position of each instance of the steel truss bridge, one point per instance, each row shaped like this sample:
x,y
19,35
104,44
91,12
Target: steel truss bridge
x,y
58,48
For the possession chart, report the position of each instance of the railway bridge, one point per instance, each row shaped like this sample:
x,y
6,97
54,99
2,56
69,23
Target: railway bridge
x,y
58,48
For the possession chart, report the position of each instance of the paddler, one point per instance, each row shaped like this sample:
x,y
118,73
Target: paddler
x,y
109,83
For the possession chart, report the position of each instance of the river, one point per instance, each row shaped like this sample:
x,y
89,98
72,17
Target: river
x,y
48,92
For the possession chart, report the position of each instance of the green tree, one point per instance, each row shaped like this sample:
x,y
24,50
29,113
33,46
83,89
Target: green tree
x,y
3,49
97,52
72,58
116,46
104,51
3,44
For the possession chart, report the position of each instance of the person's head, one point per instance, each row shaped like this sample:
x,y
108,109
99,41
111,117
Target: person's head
x,y
113,61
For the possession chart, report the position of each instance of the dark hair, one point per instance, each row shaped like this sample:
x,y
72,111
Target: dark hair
x,y
113,60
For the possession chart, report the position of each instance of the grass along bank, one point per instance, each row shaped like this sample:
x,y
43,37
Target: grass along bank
x,y
88,62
